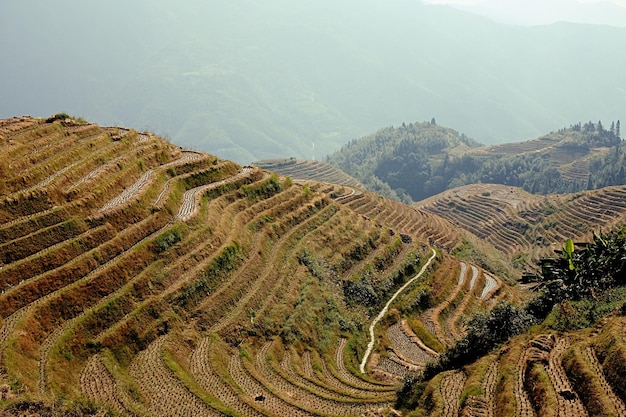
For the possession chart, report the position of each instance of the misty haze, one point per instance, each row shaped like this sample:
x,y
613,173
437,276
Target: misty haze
x,y
249,80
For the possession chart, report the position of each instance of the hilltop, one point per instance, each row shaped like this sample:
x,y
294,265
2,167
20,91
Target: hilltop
x,y
416,161
139,278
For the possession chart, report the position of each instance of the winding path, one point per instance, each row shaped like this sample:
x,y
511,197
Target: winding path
x,y
380,315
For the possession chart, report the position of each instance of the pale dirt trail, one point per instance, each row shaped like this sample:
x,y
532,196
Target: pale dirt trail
x,y
382,313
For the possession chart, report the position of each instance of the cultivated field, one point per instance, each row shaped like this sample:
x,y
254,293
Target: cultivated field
x,y
138,278
526,227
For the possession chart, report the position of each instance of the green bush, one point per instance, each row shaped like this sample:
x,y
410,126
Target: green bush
x,y
167,239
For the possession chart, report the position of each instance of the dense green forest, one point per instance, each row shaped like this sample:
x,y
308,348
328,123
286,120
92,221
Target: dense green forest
x,y
415,161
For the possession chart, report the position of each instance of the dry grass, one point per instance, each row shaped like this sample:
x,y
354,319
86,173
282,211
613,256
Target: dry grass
x,y
140,303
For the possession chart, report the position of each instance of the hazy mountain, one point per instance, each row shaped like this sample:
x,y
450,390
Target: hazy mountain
x,y
252,80
542,12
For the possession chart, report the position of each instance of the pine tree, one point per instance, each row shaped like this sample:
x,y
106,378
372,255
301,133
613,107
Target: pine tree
x,y
617,130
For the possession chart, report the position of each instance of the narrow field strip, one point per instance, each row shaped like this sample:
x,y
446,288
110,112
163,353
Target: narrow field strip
x,y
404,347
567,405
128,193
484,404
163,392
462,273
431,316
392,368
617,403
523,406
186,158
349,378
415,339
490,285
268,400
206,376
95,172
99,385
489,387
474,278
188,208
307,366
451,388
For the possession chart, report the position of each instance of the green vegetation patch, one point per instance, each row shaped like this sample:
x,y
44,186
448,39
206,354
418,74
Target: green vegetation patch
x,y
264,189
167,239
219,269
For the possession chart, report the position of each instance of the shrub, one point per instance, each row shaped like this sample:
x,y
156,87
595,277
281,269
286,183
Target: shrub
x,y
167,239
58,116
265,189
484,332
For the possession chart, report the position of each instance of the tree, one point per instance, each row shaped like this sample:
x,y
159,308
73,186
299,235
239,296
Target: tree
x,y
617,130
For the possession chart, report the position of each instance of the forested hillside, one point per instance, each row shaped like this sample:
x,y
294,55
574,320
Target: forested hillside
x,y
415,161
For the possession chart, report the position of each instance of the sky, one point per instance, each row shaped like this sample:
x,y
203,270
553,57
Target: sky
x,y
543,12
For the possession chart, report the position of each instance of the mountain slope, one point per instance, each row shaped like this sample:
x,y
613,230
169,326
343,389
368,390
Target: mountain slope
x,y
309,170
524,227
143,279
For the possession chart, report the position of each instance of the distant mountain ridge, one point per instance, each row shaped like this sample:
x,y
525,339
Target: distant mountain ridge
x,y
277,79
537,12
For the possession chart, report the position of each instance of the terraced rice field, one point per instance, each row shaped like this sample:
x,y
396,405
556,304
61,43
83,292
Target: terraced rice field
x,y
541,375
300,169
516,223
155,281
117,245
